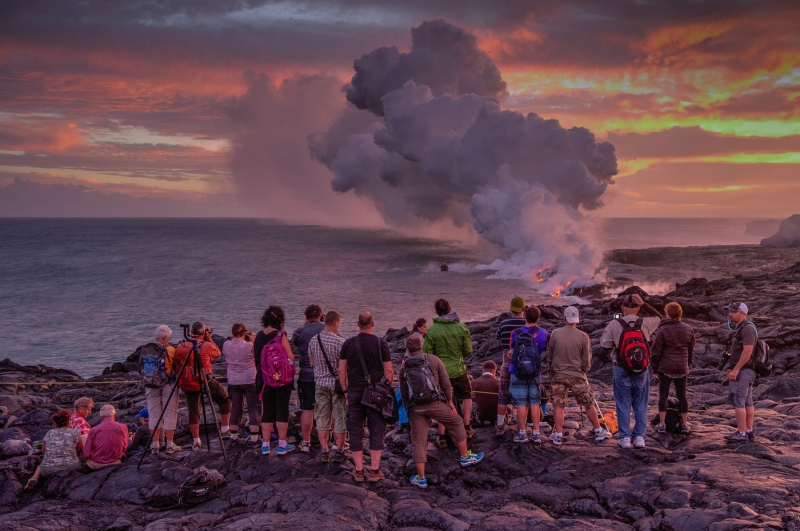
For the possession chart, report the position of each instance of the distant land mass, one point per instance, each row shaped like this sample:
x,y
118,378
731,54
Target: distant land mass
x,y
762,227
788,234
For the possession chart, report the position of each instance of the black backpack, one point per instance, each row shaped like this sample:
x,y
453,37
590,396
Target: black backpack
x,y
151,365
420,382
761,359
526,357
196,489
633,350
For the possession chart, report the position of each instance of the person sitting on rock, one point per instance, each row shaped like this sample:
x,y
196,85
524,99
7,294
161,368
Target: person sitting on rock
x,y
630,390
142,434
435,403
83,407
570,354
353,380
486,390
671,360
107,442
524,388
190,382
504,331
61,447
741,374
449,340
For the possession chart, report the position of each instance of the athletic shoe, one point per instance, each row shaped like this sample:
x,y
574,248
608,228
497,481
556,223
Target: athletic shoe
x,y
324,456
470,431
376,475
686,430
305,446
471,459
751,435
154,448
419,482
737,437
601,434
358,476
225,434
638,442
521,437
625,443
283,450
555,438
171,448
265,448
536,438
500,430
442,442
661,428
197,445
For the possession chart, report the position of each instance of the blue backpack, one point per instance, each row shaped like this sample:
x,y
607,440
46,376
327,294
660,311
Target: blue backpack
x,y
152,366
526,357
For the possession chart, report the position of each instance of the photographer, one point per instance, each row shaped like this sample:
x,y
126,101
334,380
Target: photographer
x,y
190,382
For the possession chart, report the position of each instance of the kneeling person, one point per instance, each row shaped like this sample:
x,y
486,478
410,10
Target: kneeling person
x,y
428,395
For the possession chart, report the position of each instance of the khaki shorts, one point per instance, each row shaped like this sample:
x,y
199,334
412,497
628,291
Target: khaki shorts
x,y
581,390
327,405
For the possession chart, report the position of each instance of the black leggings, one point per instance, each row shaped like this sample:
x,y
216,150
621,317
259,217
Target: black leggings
x,y
680,390
275,404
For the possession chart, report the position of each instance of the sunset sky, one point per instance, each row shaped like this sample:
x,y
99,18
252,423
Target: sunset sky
x,y
160,108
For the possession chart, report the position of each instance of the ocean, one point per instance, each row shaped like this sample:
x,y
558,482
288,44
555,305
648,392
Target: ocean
x,y
83,293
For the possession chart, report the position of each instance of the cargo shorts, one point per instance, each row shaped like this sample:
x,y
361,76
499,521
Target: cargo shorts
x,y
580,388
740,391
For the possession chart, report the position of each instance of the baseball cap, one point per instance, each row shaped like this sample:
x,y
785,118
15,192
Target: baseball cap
x,y
737,307
572,315
517,304
143,414
107,411
632,301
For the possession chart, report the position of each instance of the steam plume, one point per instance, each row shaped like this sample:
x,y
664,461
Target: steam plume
x,y
445,149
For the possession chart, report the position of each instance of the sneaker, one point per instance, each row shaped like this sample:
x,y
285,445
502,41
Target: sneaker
x,y
751,435
555,438
638,442
736,437
154,448
521,437
686,430
225,434
500,430
172,448
470,431
324,455
376,475
358,476
601,434
442,442
305,446
337,456
419,482
283,450
625,442
471,459
661,428
197,445
536,438
265,448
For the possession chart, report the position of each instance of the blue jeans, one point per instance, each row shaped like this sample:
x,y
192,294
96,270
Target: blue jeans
x,y
631,391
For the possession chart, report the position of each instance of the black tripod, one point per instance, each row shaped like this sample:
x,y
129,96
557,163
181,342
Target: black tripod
x,y
205,393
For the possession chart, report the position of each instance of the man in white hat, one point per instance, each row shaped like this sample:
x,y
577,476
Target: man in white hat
x,y
570,360
741,374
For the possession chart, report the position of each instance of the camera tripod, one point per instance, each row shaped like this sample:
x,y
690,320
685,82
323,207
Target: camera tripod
x,y
205,393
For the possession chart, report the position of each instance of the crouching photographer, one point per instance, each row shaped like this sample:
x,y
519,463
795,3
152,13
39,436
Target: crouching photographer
x,y
191,382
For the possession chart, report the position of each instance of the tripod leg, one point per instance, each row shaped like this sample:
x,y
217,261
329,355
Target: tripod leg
x,y
207,391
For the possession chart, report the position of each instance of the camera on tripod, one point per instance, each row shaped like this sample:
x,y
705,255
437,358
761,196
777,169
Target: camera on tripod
x,y
187,332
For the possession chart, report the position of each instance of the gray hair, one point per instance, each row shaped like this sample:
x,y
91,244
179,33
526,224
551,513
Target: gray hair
x,y
163,332
414,344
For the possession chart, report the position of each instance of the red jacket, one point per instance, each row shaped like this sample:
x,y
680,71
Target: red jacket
x,y
190,380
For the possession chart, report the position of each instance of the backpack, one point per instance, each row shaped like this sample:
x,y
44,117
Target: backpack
x,y
527,356
196,489
151,365
761,359
276,368
633,350
189,379
419,380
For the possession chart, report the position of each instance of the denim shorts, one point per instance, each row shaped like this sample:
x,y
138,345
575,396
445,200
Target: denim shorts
x,y
525,392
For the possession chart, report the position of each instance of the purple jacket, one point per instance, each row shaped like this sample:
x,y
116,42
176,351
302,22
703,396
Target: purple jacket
x,y
673,348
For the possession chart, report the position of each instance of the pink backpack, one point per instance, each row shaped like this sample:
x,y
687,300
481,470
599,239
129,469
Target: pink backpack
x,y
276,367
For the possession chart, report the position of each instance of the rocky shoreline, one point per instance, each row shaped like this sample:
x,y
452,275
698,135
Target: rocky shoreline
x,y
676,483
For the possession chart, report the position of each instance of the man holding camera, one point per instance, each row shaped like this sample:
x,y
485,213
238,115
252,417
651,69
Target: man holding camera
x,y
741,374
191,384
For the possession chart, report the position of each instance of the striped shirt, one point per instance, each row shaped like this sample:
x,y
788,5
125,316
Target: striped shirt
x,y
333,347
507,326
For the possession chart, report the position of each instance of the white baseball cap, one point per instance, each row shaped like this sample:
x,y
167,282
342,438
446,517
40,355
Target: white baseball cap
x,y
737,307
571,315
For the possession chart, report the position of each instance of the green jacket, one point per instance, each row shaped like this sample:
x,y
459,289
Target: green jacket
x,y
450,341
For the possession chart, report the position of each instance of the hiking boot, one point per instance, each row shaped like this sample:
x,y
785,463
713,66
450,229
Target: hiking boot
x,y
265,448
197,445
172,448
686,430
376,475
442,442
338,456
625,442
500,430
419,482
555,438
471,459
736,437
358,476
305,446
536,438
521,437
470,431
661,428
324,456
601,434
638,442
751,435
283,450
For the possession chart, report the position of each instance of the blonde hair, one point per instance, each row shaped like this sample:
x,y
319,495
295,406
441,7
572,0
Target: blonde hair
x,y
83,401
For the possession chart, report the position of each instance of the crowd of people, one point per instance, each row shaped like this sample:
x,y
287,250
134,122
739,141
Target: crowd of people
x,y
338,380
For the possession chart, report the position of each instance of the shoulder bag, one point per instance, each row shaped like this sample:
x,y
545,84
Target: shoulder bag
x,y
378,396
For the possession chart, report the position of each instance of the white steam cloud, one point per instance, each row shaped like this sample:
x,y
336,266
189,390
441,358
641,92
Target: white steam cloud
x,y
432,142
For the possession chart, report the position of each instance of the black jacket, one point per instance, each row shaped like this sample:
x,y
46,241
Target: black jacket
x,y
673,348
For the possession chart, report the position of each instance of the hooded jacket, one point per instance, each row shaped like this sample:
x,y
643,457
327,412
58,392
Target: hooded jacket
x,y
673,348
449,340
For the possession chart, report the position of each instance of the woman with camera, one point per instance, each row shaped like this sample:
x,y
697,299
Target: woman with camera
x,y
238,353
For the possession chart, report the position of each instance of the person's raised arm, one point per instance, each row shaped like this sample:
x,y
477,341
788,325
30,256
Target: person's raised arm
x,y
287,347
611,331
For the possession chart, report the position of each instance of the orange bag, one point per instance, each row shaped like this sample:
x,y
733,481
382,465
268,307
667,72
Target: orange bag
x,y
609,418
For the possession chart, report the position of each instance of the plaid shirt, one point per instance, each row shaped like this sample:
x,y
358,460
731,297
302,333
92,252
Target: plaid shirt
x,y
79,423
333,346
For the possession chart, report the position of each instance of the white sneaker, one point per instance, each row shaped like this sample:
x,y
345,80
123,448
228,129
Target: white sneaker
x,y
625,442
555,438
601,434
638,442
521,437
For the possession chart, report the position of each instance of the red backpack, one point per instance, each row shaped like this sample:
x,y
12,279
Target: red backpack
x,y
277,369
633,352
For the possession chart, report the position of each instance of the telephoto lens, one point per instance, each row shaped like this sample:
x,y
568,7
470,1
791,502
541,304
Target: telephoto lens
x,y
724,361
